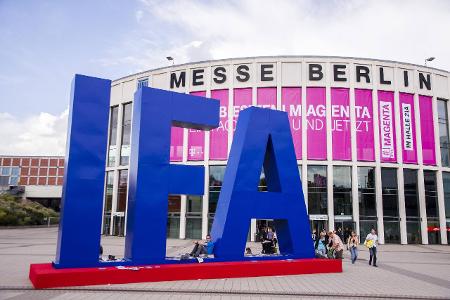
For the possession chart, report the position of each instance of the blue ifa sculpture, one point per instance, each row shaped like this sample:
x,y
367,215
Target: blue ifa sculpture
x,y
262,140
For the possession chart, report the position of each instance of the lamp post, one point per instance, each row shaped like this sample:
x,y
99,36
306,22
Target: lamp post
x,y
170,58
429,59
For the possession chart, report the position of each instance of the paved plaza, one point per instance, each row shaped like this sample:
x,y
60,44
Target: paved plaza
x,y
405,272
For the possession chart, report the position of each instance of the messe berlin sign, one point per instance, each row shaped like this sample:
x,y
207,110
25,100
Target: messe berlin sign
x,y
262,140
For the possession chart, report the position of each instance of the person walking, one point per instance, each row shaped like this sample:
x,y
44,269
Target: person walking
x,y
371,243
336,245
352,244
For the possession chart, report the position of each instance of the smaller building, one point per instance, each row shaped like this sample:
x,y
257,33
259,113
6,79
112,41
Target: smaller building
x,y
37,178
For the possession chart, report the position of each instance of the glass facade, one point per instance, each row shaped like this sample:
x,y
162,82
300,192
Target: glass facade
x,y
432,209
342,191
194,217
446,180
121,206
317,190
216,174
126,134
9,176
107,206
391,219
412,208
443,132
113,136
367,200
173,216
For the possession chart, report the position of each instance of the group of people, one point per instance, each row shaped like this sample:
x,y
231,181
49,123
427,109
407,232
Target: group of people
x,y
331,245
268,240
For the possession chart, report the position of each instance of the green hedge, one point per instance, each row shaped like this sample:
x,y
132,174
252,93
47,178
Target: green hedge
x,y
19,212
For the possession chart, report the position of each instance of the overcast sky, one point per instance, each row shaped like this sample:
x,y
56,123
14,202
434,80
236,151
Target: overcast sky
x,y
44,43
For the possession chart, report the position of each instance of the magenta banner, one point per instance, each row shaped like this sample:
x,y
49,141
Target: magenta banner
x,y
340,124
316,119
218,138
242,100
291,102
365,149
196,138
386,116
176,144
267,97
408,125
427,130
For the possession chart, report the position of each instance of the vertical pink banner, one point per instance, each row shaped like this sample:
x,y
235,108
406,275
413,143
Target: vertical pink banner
x,y
365,149
218,138
427,130
267,97
408,125
316,123
340,124
291,102
196,138
386,117
176,144
242,98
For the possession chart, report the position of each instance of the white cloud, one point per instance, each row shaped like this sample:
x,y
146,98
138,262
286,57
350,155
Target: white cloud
x,y
42,134
407,31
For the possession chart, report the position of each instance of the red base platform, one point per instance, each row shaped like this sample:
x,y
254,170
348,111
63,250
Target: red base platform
x,y
46,276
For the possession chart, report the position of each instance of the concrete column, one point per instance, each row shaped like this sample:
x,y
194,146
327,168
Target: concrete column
x,y
252,230
379,203
330,197
401,206
422,206
183,217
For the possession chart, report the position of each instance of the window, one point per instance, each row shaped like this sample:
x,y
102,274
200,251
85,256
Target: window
x,y
366,193
108,202
216,175
9,176
432,209
446,179
122,191
142,82
391,218
443,132
126,135
342,191
412,207
113,136
317,190
194,217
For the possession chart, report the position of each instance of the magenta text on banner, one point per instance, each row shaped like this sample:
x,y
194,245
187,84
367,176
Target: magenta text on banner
x,y
196,138
316,123
242,98
340,124
267,97
218,140
365,149
291,102
408,125
427,130
386,116
176,144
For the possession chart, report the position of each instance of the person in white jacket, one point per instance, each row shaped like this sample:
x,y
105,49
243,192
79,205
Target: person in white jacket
x,y
371,243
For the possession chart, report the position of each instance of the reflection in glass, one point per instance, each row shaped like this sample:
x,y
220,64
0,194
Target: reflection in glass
x,y
443,132
317,190
107,209
412,207
432,209
113,136
391,220
126,134
342,190
366,193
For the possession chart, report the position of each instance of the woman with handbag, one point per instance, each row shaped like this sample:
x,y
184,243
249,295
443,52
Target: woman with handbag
x,y
352,244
